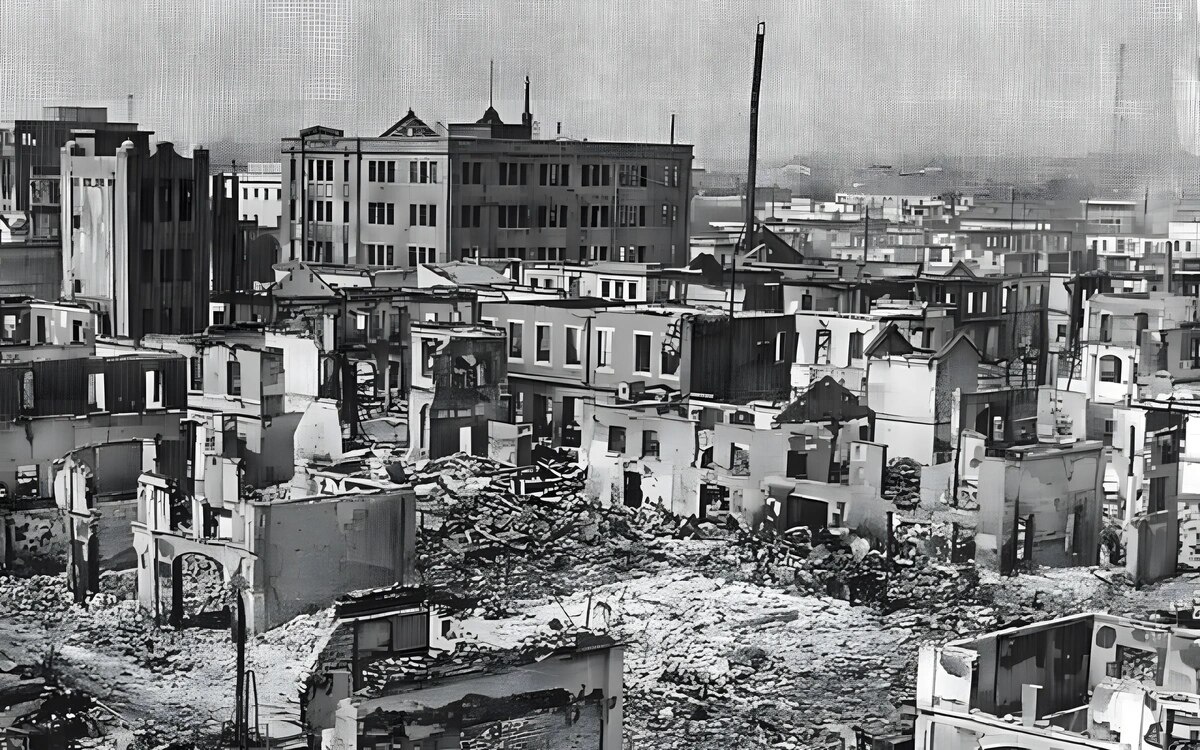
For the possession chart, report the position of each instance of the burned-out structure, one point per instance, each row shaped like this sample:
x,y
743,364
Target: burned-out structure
x,y
294,551
1086,681
407,670
457,388
49,408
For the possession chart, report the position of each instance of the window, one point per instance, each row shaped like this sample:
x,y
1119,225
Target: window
x,y
1105,327
96,400
422,215
649,443
381,255
596,175
472,173
469,216
780,348
185,264
381,171
233,377
77,331
616,439
418,255
165,211
196,373
1110,369
604,347
856,345
381,213
593,217
514,217
166,269
1061,332
572,346
797,465
516,329
422,172
641,352
1168,452
27,390
631,175
542,341
512,173
345,212
185,200
554,174
552,216
147,266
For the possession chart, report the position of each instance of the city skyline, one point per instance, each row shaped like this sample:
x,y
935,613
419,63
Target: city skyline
x,y
1008,80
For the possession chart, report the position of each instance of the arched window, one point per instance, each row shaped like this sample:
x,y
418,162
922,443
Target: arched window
x,y
1110,369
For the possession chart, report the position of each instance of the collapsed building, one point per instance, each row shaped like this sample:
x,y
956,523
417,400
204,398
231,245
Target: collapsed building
x,y
1085,681
291,551
410,672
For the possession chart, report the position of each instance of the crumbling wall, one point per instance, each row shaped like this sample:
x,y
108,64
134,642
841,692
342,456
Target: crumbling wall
x,y
115,530
313,551
37,539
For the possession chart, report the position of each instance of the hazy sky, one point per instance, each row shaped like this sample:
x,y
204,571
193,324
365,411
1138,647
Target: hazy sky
x,y
990,79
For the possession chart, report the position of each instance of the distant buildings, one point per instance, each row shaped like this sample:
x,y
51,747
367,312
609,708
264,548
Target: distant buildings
x,y
419,194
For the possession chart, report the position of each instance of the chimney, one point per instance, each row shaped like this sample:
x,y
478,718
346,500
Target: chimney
x,y
527,116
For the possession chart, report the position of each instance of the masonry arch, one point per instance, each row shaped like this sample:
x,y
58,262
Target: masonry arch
x,y
200,592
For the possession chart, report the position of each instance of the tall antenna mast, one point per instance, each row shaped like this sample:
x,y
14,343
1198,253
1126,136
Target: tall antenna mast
x,y
491,82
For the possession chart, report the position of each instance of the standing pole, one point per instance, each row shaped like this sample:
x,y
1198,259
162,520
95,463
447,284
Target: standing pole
x,y
240,703
748,226
672,128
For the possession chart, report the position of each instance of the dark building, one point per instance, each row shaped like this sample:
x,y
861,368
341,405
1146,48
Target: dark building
x,y
29,162
170,241
566,200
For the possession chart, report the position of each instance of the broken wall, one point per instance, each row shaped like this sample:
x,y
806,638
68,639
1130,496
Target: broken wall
x,y
35,536
590,681
312,551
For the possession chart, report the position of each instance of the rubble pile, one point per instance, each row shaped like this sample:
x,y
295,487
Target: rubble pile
x,y
902,483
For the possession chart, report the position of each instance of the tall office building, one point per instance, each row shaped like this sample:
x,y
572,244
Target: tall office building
x,y
484,189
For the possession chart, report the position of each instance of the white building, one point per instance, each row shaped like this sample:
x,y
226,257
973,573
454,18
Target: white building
x,y
260,196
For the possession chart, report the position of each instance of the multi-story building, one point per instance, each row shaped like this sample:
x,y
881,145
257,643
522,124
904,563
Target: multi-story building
x,y
30,160
140,242
485,189
1115,327
29,266
380,202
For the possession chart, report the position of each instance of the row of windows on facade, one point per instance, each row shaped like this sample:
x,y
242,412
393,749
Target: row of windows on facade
x,y
166,320
623,253
511,216
509,173
171,194
373,254
1147,246
572,336
977,301
420,172
96,393
266,193
378,213
521,216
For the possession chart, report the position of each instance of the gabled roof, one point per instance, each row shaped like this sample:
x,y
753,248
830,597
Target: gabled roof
x,y
409,126
321,130
824,401
888,342
954,343
960,268
768,247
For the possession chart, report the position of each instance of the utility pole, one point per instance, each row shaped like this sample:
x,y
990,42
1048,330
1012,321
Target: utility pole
x,y
748,226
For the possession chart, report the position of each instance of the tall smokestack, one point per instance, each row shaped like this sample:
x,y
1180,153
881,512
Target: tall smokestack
x,y
129,108
527,116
